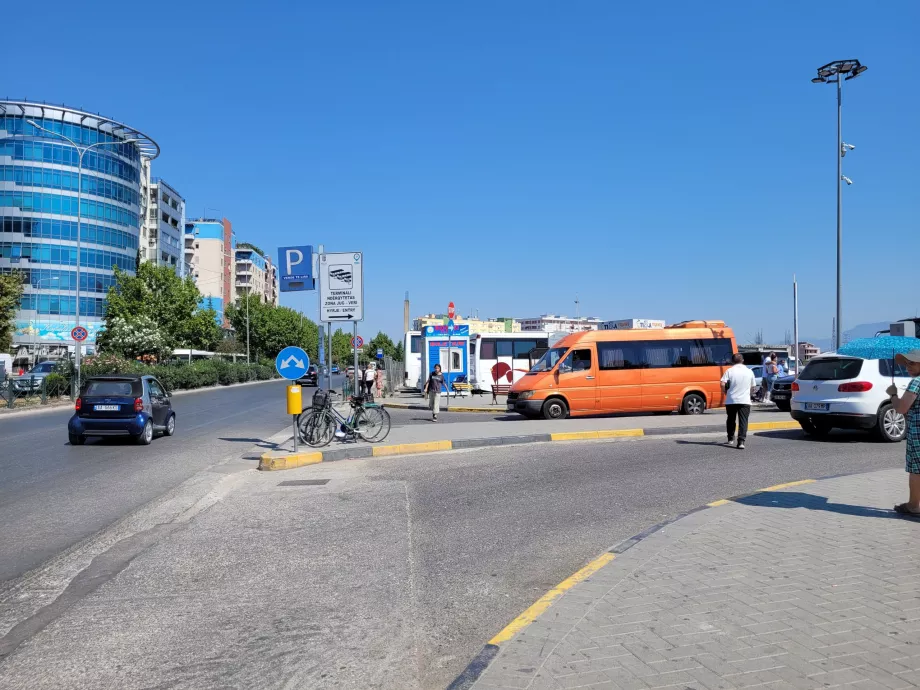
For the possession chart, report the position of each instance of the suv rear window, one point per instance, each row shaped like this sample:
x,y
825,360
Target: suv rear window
x,y
101,388
831,369
885,367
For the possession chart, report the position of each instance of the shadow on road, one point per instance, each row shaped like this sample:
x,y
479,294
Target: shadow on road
x,y
835,436
685,442
255,441
798,499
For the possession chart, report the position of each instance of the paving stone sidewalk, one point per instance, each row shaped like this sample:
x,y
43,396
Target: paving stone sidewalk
x,y
814,586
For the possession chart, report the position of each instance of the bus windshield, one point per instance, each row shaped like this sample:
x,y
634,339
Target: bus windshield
x,y
549,359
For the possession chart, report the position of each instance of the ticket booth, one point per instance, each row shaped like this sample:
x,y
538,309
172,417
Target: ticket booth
x,y
450,350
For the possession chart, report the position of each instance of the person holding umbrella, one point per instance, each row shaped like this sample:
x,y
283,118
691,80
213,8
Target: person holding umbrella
x,y
909,405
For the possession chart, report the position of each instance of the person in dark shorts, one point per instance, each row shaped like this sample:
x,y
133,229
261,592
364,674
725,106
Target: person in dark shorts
x,y
909,405
737,384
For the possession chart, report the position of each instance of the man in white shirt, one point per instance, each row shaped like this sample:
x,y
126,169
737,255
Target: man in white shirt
x,y
737,384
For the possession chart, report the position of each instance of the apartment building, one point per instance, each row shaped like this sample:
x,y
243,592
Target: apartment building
x,y
499,325
162,229
255,273
209,249
554,323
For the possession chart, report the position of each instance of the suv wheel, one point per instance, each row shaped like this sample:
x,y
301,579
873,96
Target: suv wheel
x,y
813,428
892,426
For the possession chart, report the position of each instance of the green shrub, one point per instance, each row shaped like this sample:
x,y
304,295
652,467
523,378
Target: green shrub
x,y
182,375
56,385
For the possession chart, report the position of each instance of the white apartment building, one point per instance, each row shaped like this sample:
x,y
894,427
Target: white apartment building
x,y
553,323
162,232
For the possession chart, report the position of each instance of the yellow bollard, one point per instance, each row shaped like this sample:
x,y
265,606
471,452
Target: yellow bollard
x,y
294,402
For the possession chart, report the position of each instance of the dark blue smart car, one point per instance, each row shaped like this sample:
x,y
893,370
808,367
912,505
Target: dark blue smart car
x,y
115,405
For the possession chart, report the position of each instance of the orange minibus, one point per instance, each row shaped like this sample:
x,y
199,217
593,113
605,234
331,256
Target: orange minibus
x,y
676,368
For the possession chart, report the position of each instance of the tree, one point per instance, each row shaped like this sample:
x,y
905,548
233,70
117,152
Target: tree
x,y
341,348
11,285
400,354
271,328
135,337
171,302
380,341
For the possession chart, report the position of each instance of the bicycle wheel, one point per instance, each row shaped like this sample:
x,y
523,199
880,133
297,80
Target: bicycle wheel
x,y
372,423
316,429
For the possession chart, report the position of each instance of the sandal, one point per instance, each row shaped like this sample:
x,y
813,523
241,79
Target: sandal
x,y
902,509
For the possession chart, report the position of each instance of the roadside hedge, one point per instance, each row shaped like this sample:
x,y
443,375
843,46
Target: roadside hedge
x,y
176,376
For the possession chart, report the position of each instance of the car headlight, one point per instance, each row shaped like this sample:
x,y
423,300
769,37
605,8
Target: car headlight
x,y
525,395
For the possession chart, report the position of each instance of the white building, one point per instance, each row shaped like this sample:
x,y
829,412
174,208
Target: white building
x,y
551,323
162,232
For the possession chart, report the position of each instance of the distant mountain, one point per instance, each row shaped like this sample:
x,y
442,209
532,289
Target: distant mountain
x,y
863,330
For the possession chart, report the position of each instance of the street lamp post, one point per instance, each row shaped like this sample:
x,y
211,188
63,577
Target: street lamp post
x,y
248,297
838,72
81,151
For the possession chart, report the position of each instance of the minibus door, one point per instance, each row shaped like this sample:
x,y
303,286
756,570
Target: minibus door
x,y
576,378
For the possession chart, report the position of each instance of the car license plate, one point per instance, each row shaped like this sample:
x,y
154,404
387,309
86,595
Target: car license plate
x,y
106,408
817,407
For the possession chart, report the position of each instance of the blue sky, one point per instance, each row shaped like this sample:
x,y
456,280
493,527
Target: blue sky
x,y
660,160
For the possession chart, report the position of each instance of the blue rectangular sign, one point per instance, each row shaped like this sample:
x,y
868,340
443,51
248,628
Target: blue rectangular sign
x,y
295,268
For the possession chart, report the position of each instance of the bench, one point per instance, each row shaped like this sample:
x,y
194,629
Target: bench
x,y
462,387
499,389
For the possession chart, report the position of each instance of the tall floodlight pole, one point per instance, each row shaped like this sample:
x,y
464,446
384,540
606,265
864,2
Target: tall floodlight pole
x,y
838,72
81,151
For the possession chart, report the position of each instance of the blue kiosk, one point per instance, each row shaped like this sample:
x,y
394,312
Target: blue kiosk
x,y
450,350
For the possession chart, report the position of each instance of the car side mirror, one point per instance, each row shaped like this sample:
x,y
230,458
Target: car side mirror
x,y
168,394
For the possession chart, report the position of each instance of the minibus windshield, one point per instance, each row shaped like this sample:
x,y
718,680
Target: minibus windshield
x,y
549,359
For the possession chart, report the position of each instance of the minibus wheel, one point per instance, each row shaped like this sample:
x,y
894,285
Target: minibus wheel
x,y
555,408
693,404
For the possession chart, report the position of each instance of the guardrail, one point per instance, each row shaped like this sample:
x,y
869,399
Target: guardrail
x,y
27,391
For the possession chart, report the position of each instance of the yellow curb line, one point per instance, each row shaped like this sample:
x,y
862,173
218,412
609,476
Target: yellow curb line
x,y
544,602
408,448
760,426
601,433
777,487
287,461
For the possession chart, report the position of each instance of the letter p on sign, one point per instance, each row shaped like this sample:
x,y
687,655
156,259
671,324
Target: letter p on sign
x,y
296,264
293,257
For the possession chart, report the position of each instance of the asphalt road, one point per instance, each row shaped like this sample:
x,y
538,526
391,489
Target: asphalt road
x,y
53,495
398,570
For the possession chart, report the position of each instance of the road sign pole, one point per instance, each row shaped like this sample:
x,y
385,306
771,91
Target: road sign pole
x,y
354,343
329,355
449,358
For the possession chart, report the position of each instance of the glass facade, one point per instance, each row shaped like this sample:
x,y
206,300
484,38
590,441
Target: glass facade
x,y
39,179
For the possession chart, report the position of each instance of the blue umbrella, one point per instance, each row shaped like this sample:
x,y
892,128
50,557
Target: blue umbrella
x,y
883,347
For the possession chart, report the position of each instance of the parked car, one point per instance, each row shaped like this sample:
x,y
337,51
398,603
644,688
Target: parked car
x,y
132,405
843,392
310,377
32,380
757,370
782,392
335,368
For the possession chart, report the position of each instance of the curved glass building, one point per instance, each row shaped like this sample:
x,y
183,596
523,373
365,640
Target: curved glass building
x,y
39,177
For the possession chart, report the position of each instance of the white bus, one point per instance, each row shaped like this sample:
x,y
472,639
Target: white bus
x,y
503,358
412,349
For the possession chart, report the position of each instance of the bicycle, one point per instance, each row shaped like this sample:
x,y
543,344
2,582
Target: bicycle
x,y
367,421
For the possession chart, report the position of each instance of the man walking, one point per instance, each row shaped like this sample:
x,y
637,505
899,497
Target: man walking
x,y
737,384
770,372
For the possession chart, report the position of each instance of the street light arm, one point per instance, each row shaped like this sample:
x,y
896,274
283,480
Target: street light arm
x,y
55,134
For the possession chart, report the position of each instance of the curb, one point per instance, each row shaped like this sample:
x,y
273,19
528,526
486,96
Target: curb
x,y
490,650
282,460
414,406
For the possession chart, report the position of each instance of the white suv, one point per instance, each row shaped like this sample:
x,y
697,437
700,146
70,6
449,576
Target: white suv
x,y
839,391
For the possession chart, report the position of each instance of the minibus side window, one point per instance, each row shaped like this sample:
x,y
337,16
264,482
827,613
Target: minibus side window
x,y
578,360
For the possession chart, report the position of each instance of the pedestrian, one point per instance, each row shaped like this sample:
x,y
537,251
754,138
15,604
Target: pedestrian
x,y
433,391
369,378
770,370
909,405
738,383
783,368
379,380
